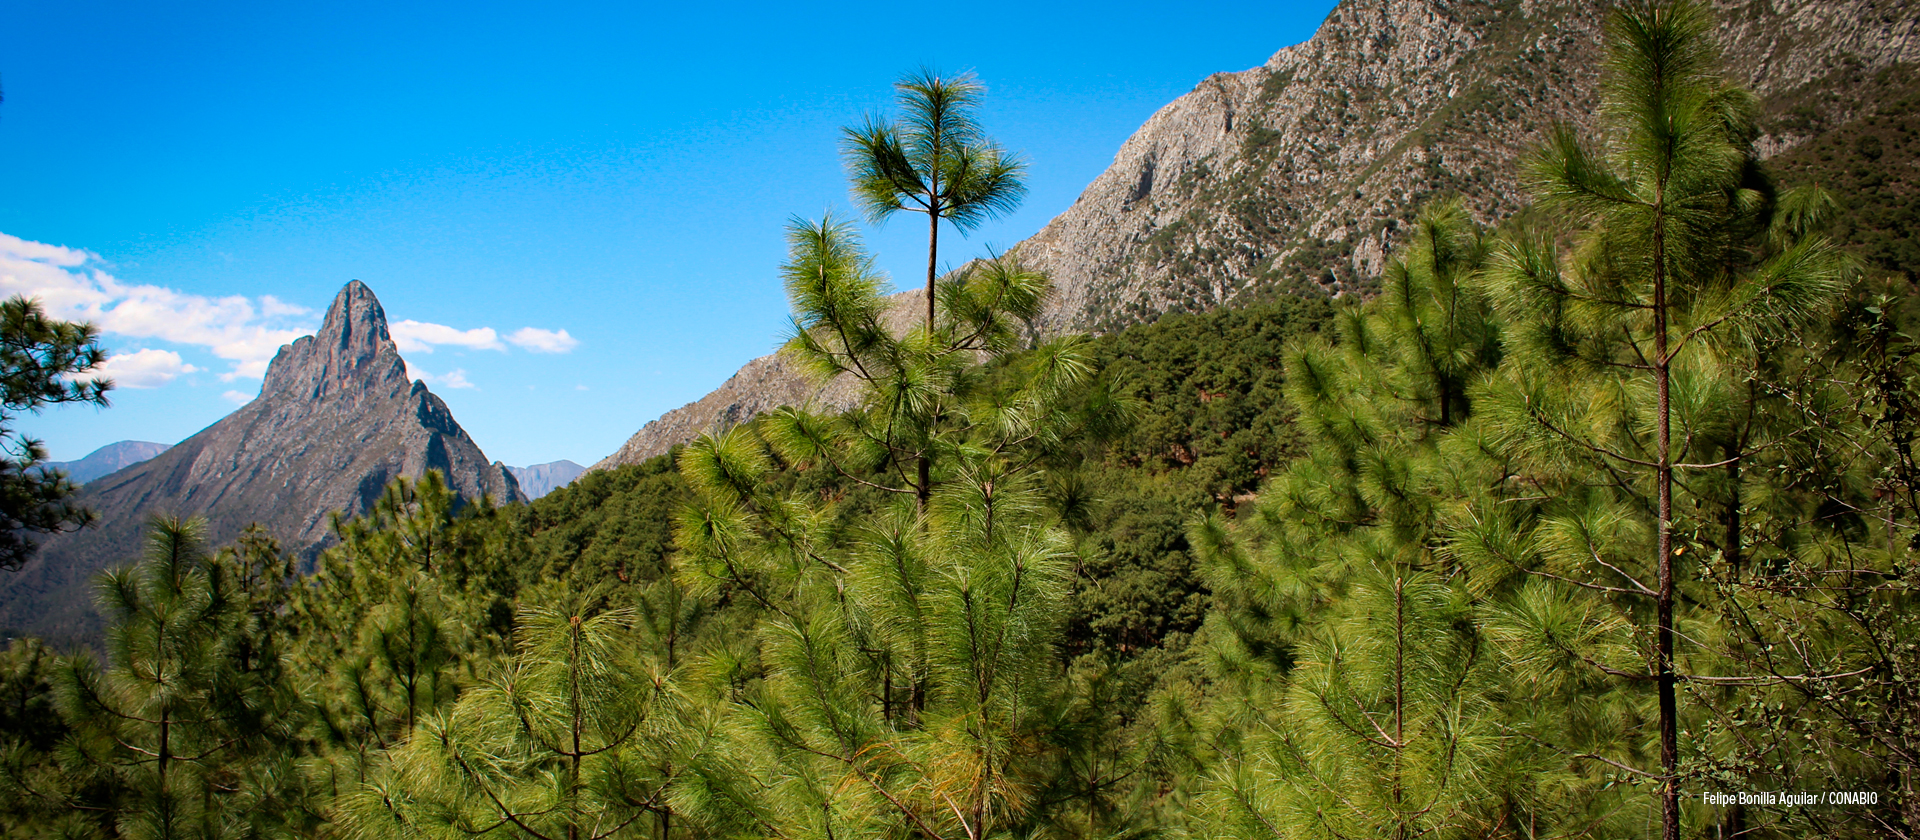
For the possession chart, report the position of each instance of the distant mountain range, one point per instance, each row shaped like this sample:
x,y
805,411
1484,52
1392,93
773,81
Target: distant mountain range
x,y
107,460
535,481
541,479
335,422
1300,176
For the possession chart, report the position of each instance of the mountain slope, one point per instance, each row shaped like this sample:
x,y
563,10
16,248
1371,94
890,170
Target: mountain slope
x,y
760,386
336,420
106,460
1299,176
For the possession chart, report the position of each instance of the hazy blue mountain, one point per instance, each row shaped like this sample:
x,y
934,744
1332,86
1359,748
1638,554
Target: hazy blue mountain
x,y
541,479
108,460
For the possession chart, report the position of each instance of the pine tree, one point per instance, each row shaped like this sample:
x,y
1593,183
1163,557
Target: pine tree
x,y
386,626
1357,694
191,710
39,360
906,652
933,160
906,668
38,796
1619,347
1815,609
564,745
931,397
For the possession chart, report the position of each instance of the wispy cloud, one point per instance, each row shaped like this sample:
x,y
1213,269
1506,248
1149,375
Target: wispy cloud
x,y
456,378
140,369
237,397
73,285
543,341
417,337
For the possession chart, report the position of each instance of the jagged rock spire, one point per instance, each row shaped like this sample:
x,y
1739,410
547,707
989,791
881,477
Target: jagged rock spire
x,y
352,352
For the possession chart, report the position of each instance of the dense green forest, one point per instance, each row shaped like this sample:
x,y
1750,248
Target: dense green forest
x,y
1582,527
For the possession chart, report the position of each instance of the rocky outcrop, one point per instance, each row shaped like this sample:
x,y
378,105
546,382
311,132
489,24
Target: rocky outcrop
x,y
1300,175
335,422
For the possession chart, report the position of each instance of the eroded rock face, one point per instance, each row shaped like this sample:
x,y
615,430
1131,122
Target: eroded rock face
x,y
1299,176
335,422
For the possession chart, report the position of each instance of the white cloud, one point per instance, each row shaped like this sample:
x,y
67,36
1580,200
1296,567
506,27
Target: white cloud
x,y
456,378
72,286
140,369
543,341
274,307
579,387
238,397
416,337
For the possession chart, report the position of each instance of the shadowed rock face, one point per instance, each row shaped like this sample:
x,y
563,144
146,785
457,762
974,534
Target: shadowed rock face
x,y
1300,176
335,422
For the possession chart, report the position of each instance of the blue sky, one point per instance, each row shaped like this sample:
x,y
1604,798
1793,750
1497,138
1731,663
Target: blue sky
x,y
579,210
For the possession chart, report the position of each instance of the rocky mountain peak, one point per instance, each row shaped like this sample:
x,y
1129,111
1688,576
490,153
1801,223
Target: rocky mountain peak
x,y
352,353
336,421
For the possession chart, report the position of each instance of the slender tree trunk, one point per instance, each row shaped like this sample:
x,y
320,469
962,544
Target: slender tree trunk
x,y
1399,707
933,257
573,701
1663,641
161,763
412,678
924,491
1732,550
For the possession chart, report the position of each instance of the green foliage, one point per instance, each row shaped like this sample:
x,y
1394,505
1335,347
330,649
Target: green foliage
x,y
928,399
39,360
556,746
397,619
1211,388
1857,154
934,160
613,525
1617,500
1628,352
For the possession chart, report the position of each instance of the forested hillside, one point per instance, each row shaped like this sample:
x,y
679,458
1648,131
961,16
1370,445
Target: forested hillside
x,y
1583,526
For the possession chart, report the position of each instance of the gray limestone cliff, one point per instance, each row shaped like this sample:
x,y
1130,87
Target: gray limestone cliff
x,y
335,422
1300,175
